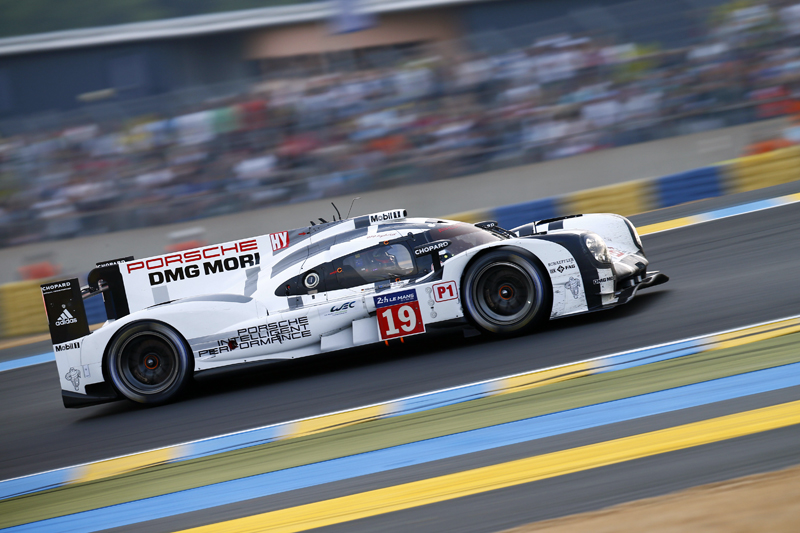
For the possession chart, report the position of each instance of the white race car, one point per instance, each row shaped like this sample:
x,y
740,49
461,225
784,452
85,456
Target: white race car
x,y
326,287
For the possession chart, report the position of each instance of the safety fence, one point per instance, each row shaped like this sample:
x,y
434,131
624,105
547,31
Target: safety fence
x,y
22,313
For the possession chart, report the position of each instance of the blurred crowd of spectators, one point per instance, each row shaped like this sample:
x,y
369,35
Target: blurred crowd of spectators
x,y
436,115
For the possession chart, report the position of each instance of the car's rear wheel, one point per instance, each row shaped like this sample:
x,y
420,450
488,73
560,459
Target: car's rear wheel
x,y
149,362
506,292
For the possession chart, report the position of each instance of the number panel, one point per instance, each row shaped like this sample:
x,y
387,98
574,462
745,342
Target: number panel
x,y
400,320
399,314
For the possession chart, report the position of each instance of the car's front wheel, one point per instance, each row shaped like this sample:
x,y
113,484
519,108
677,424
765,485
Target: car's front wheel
x,y
506,292
149,362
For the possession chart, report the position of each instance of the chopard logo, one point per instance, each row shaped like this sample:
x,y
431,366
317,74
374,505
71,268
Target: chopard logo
x,y
62,285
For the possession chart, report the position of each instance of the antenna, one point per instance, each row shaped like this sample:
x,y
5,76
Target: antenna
x,y
337,211
351,205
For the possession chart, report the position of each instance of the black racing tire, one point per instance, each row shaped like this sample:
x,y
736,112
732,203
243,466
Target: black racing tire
x,y
149,363
506,292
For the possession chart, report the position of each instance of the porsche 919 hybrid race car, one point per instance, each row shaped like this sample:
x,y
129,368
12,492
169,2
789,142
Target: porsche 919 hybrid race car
x,y
326,287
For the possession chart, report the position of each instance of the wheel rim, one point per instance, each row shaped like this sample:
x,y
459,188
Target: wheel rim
x,y
504,293
148,363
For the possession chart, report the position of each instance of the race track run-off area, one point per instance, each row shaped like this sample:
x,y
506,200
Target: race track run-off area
x,y
724,274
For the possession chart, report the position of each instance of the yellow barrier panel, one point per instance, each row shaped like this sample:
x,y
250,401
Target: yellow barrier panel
x,y
22,309
627,198
764,170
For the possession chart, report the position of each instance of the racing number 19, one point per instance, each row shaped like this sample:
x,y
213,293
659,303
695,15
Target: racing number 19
x,y
406,316
400,320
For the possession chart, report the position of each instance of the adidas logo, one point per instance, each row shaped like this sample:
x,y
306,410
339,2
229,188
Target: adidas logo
x,y
66,318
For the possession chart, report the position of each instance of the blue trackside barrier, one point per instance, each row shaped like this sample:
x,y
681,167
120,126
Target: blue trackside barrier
x,y
511,216
690,186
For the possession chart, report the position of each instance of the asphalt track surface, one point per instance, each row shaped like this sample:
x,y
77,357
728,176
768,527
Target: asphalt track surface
x,y
724,274
564,495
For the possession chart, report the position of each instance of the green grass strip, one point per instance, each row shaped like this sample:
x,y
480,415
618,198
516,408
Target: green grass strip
x,y
378,434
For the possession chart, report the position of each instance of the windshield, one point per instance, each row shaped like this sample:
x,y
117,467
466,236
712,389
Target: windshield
x,y
376,264
463,237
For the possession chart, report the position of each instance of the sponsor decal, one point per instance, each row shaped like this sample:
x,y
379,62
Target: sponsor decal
x,y
443,292
112,262
563,268
279,240
377,218
193,256
67,346
65,318
74,376
602,280
56,287
432,247
340,309
205,269
617,253
389,235
574,285
561,262
263,335
395,298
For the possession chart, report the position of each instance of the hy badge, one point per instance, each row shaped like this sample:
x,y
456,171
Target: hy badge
x,y
279,240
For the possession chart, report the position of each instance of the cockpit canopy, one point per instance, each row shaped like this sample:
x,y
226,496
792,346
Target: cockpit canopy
x,y
391,260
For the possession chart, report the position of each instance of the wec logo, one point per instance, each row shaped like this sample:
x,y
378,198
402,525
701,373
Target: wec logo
x,y
343,307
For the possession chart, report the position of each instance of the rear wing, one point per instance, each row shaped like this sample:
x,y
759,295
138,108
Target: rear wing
x,y
66,314
129,284
63,301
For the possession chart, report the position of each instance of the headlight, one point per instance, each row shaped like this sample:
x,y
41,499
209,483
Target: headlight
x,y
595,244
